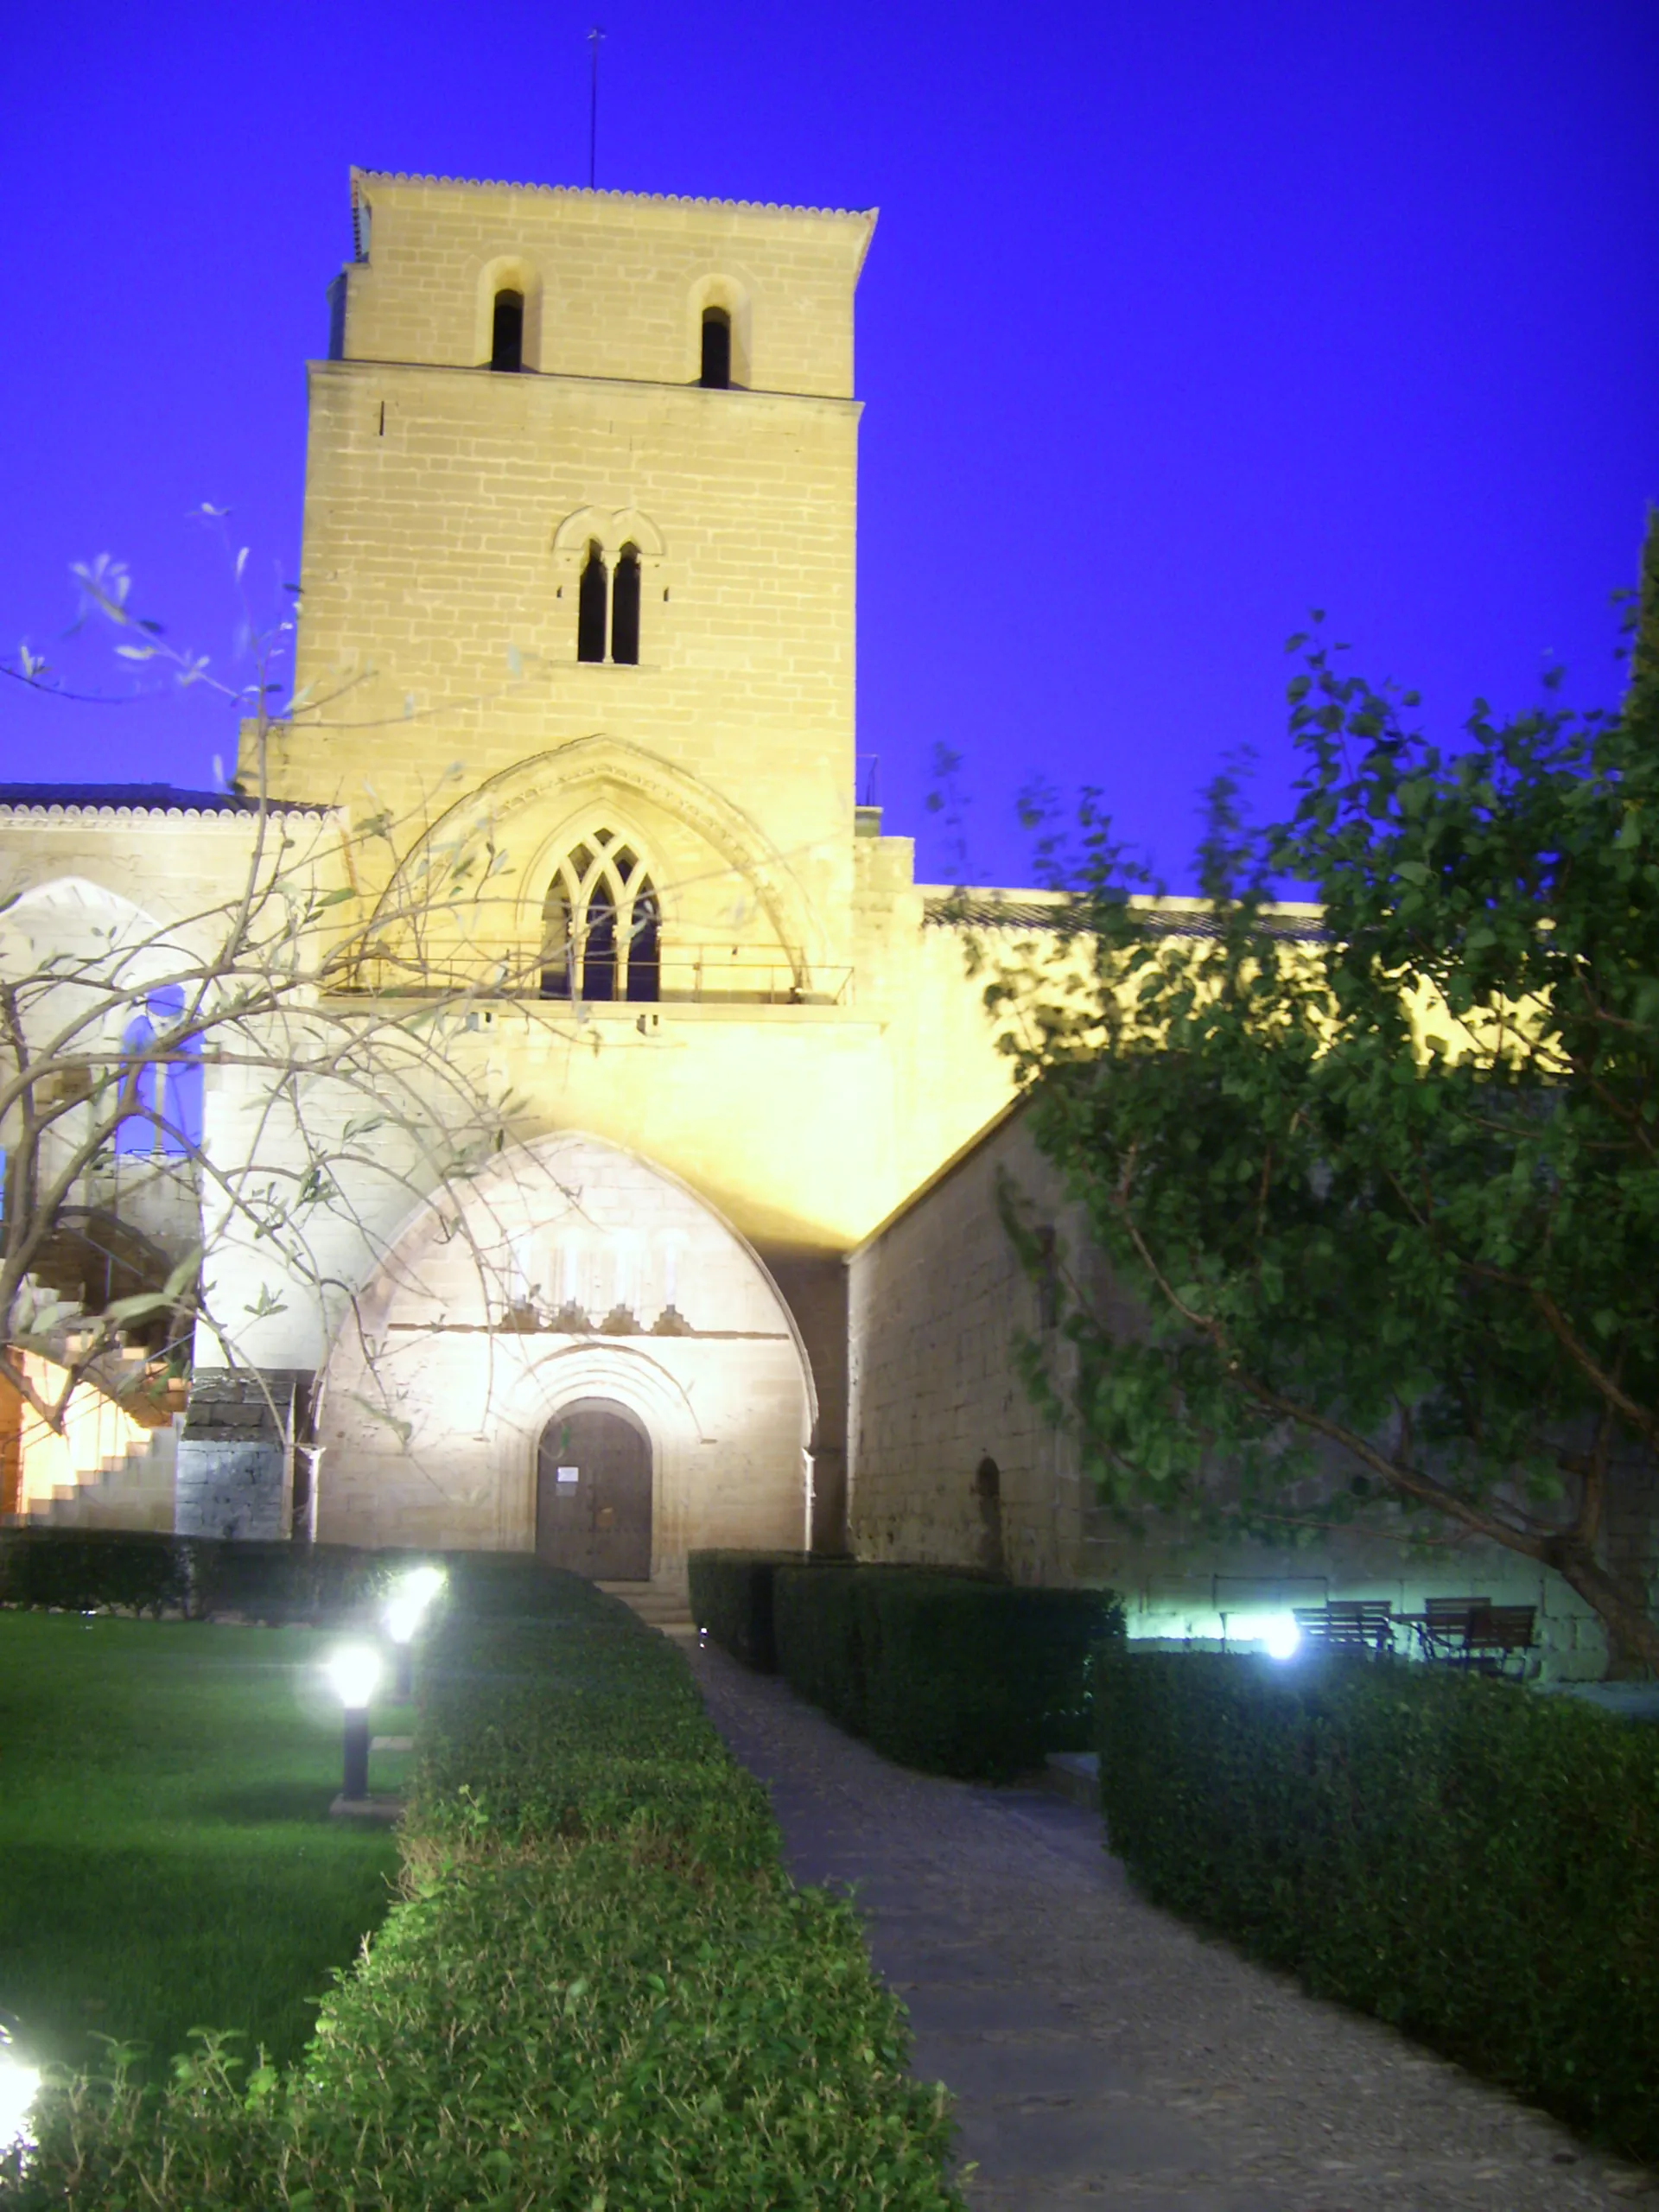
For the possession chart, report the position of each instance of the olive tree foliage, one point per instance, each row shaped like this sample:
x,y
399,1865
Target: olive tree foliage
x,y
334,1109
1382,1181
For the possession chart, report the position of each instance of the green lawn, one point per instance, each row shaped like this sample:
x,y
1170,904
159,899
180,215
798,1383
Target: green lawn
x,y
166,1858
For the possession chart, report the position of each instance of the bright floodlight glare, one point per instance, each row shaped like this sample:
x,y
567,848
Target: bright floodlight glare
x,y
1283,1639
403,1616
425,1582
19,2087
354,1670
407,1605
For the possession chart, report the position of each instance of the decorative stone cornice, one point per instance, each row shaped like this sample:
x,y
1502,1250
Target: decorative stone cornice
x,y
226,817
596,192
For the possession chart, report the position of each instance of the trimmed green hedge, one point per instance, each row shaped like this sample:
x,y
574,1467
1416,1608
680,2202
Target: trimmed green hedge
x,y
731,1597
1476,1863
601,1994
131,1571
949,1673
83,1572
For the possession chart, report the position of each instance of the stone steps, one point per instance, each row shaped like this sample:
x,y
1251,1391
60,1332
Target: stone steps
x,y
132,1491
660,1605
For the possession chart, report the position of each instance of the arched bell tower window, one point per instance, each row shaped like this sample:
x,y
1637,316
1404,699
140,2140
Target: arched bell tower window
x,y
625,608
607,608
593,606
601,924
717,350
507,331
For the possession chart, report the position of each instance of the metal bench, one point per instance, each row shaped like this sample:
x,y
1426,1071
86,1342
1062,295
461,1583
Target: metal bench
x,y
1350,1624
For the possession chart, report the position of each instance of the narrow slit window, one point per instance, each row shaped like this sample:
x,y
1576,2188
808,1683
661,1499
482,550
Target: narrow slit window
x,y
593,606
717,350
625,608
507,331
645,946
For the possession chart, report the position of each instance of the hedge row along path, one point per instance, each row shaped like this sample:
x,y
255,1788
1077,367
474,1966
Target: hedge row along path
x,y
1103,2053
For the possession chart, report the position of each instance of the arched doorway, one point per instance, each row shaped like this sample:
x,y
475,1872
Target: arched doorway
x,y
592,1492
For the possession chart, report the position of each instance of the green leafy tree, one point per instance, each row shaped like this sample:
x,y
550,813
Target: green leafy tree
x,y
1381,1179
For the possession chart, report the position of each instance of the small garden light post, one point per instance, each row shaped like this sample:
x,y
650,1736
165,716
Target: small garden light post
x,y
406,1608
354,1670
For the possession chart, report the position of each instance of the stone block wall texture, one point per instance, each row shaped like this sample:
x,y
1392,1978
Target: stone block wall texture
x,y
229,1490
613,282
235,1469
935,1297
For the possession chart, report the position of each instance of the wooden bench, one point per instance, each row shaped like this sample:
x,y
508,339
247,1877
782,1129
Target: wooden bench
x,y
1497,1633
1353,1624
1443,1625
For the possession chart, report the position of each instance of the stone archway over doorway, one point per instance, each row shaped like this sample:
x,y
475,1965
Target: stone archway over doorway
x,y
592,1492
568,1271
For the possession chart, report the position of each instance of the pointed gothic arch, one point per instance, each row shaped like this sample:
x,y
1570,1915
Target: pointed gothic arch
x,y
610,781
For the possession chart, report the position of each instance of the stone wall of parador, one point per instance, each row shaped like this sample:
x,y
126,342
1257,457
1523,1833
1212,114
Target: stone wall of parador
x,y
951,1464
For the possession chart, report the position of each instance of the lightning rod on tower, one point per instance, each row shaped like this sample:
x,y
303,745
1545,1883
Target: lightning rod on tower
x,y
593,38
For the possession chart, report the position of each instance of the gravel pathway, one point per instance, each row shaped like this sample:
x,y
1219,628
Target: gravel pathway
x,y
1102,2052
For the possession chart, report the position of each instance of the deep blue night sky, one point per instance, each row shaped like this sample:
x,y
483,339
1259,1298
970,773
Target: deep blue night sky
x,y
1179,319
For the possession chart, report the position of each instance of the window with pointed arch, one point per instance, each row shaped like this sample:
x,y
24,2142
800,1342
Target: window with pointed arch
x,y
166,1080
601,924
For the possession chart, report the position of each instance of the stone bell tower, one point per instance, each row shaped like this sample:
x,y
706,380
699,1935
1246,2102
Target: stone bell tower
x,y
581,474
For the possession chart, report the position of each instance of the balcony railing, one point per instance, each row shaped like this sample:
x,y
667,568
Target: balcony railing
x,y
684,975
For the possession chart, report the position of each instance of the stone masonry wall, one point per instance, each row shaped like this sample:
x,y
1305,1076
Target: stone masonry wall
x,y
935,1297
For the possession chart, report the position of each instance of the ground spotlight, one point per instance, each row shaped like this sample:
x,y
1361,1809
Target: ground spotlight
x,y
406,1608
1281,1638
355,1671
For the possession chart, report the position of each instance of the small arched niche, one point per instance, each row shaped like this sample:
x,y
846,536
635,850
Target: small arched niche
x,y
507,333
719,335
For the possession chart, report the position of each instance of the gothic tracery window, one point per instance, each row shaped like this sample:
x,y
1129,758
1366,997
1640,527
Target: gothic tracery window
x,y
601,924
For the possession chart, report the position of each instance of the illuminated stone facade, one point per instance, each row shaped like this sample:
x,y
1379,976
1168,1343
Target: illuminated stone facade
x,y
576,587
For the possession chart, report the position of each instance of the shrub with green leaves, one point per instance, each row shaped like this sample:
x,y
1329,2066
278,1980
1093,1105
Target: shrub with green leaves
x,y
1473,1863
950,1673
600,1994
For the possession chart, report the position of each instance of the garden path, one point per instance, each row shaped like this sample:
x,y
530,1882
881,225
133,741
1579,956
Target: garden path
x,y
1102,2052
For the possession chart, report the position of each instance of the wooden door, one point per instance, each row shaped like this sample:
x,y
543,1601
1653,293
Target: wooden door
x,y
592,1493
